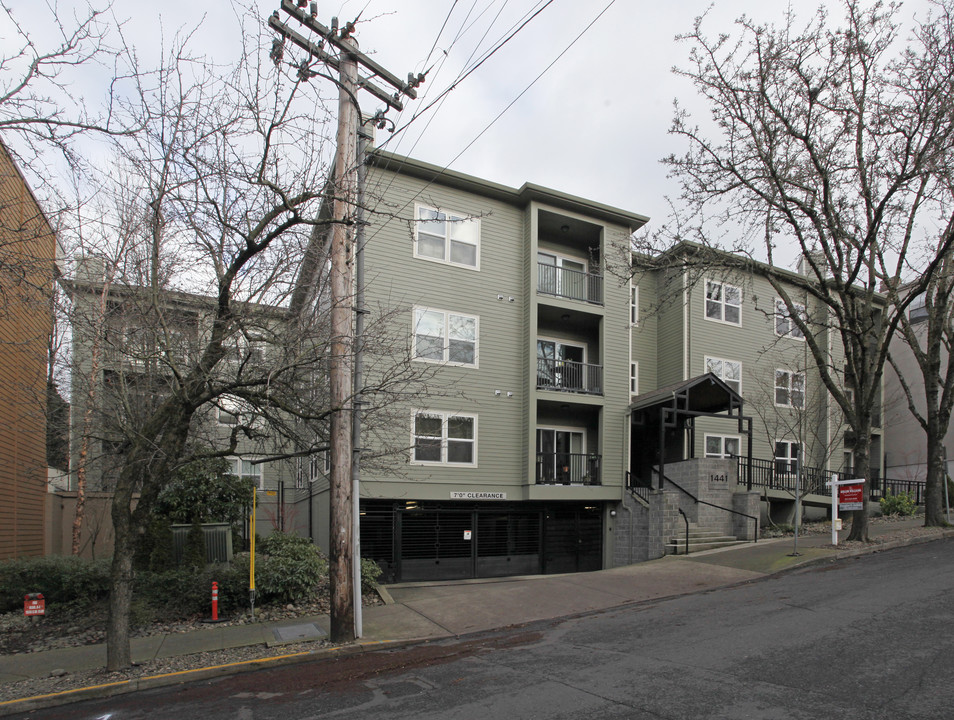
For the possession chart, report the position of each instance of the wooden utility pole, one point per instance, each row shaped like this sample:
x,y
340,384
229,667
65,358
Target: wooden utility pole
x,y
342,343
344,571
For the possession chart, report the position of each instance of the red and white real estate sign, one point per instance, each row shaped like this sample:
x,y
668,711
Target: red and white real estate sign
x,y
850,497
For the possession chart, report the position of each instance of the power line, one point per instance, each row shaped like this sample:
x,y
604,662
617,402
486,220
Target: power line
x,y
510,104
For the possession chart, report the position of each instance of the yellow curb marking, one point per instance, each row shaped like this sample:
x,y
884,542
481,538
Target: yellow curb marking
x,y
155,677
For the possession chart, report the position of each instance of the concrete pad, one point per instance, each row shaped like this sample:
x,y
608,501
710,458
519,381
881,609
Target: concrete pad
x,y
397,622
484,607
663,578
298,633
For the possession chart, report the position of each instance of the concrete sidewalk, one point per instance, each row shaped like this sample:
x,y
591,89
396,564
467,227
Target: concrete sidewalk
x,y
428,611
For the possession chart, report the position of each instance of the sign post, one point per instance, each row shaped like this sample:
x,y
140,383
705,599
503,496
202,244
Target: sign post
x,y
847,495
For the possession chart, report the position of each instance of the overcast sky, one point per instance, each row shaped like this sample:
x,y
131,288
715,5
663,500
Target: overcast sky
x,y
594,124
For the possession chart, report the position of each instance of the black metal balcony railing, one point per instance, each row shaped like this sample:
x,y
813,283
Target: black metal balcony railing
x,y
568,469
569,376
781,475
566,283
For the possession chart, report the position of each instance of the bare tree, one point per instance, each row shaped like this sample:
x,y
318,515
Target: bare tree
x,y
831,142
222,190
928,337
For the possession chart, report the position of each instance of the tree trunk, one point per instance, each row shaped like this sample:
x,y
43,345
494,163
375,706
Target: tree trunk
x,y
118,653
934,515
859,520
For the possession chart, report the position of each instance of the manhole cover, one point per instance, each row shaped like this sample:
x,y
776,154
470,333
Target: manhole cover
x,y
298,632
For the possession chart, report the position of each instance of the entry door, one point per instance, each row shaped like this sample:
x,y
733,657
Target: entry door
x,y
560,365
562,276
573,540
561,453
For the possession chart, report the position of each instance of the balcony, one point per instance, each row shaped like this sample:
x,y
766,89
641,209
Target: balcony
x,y
569,376
564,282
568,469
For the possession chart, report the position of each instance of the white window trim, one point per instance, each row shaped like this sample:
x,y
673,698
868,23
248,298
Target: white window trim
x,y
458,217
793,328
634,378
237,459
244,416
705,369
446,338
790,444
445,415
634,306
705,301
722,438
791,378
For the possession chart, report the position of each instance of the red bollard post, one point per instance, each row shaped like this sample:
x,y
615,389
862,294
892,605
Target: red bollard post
x,y
215,601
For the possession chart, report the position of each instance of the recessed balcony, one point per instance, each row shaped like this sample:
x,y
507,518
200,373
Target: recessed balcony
x,y
570,283
568,469
569,376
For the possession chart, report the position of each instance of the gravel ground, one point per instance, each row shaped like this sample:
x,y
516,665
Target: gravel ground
x,y
15,625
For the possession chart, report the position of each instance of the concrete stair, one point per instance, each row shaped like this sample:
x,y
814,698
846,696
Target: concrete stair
x,y
700,539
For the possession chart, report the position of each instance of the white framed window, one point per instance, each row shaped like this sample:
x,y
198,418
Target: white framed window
x,y
443,438
319,465
789,388
848,464
784,324
917,310
232,411
446,237
723,302
634,378
243,468
446,337
728,371
722,446
634,305
786,456
245,349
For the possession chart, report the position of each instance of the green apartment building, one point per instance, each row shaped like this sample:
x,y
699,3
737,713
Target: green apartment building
x,y
526,460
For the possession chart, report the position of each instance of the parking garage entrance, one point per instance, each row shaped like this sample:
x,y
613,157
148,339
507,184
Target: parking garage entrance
x,y
418,540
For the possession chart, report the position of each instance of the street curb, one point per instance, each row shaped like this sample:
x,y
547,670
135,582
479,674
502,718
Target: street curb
x,y
122,687
874,547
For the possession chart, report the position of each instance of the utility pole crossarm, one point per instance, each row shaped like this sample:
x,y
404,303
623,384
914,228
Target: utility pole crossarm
x,y
319,54
308,21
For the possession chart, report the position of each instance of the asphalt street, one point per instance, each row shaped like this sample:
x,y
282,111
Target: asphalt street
x,y
869,637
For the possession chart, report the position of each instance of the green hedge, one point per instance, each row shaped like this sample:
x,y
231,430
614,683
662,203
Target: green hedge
x,y
61,579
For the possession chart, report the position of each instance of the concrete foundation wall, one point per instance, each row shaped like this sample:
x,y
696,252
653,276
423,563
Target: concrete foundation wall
x,y
642,533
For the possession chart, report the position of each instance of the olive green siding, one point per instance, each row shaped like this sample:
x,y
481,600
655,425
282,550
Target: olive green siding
x,y
644,335
669,306
397,282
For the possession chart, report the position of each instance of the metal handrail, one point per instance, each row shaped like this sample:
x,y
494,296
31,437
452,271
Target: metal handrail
x,y
569,376
567,283
686,518
704,502
640,491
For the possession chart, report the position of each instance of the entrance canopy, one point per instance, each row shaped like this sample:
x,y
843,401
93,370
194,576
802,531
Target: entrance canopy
x,y
661,419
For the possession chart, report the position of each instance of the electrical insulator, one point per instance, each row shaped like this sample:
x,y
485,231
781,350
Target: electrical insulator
x,y
314,9
278,50
302,4
334,24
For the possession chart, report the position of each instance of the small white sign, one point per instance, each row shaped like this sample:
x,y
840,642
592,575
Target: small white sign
x,y
473,495
467,534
